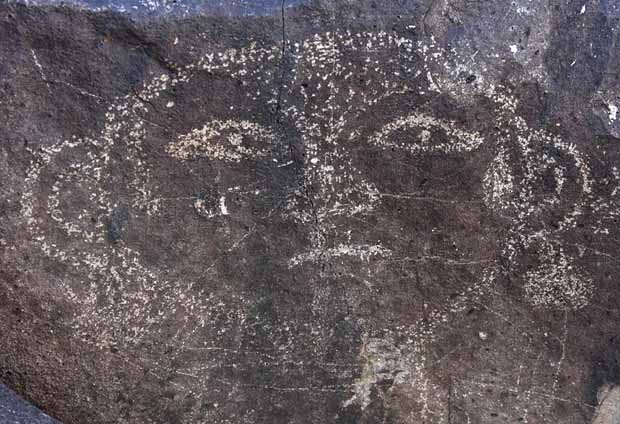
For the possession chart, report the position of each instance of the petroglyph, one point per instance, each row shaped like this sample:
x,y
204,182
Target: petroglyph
x,y
223,141
456,141
336,79
555,282
363,252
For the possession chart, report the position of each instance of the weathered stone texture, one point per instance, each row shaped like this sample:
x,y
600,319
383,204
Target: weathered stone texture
x,y
344,212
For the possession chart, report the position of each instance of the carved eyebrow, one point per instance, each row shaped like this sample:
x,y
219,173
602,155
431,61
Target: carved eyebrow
x,y
222,140
461,141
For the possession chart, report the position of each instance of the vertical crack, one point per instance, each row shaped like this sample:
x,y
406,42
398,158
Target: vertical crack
x,y
282,70
282,60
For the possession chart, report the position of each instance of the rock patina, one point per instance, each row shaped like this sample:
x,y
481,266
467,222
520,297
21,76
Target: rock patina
x,y
325,212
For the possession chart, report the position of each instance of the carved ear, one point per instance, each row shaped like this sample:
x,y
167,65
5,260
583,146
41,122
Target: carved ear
x,y
540,185
539,181
62,176
229,141
559,181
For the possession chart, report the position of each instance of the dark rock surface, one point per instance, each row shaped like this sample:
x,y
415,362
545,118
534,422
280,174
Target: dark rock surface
x,y
339,212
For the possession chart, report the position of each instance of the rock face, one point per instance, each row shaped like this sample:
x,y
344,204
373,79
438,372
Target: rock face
x,y
402,212
609,409
14,410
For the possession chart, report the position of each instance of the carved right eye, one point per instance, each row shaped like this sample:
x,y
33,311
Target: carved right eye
x,y
230,141
420,133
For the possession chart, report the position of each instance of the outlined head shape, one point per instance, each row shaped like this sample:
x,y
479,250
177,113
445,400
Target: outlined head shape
x,y
335,134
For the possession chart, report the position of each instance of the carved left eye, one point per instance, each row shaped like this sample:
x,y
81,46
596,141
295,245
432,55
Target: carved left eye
x,y
229,141
420,133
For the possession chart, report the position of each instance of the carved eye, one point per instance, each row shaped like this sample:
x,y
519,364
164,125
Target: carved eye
x,y
230,141
420,133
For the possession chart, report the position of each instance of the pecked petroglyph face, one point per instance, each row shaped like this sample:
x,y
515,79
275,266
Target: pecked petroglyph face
x,y
344,157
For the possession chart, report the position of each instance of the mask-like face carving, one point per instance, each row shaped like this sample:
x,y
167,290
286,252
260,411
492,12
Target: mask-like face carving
x,y
256,208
